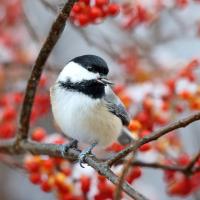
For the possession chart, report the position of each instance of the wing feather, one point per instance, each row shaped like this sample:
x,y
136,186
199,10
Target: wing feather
x,y
115,106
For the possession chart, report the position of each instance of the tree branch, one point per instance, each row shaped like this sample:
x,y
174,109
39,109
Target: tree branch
x,y
54,34
54,150
154,136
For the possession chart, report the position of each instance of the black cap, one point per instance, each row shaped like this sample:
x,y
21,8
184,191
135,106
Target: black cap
x,y
92,63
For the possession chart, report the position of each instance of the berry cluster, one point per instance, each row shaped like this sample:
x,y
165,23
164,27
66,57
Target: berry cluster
x,y
136,13
152,115
179,184
85,12
9,106
58,175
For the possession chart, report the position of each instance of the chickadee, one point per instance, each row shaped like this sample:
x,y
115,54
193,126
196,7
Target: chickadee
x,y
84,105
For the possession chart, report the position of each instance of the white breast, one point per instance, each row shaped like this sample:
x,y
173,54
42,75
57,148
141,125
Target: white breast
x,y
83,118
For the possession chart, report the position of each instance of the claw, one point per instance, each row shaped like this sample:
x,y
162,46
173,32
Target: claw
x,y
84,153
66,147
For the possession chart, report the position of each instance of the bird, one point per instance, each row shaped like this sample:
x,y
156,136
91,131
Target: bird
x,y
84,105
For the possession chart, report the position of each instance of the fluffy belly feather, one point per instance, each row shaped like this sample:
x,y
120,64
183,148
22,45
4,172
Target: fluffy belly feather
x,y
84,119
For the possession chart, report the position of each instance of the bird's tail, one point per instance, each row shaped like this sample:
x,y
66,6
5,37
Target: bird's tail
x,y
126,137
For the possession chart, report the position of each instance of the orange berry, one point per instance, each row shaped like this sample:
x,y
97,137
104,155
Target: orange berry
x,y
185,94
60,178
125,99
134,125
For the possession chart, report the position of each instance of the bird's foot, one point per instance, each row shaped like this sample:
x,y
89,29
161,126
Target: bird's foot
x,y
85,152
73,144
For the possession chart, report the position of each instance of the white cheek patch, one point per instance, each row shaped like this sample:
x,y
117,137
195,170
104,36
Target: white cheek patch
x,y
76,73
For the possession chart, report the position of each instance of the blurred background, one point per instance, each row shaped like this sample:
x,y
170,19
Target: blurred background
x,y
144,47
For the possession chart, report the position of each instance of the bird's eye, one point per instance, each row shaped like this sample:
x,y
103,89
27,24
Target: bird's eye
x,y
89,68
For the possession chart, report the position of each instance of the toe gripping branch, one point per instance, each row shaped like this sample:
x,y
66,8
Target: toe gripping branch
x,y
85,152
72,144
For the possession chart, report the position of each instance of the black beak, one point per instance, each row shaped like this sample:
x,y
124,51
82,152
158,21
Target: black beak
x,y
104,81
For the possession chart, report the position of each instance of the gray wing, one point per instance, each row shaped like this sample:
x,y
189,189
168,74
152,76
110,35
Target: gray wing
x,y
115,106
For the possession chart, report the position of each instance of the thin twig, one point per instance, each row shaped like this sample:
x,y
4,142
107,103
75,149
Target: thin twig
x,y
192,163
122,178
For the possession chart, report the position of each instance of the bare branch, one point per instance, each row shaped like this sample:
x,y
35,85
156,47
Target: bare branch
x,y
191,165
154,136
54,34
155,165
54,150
122,178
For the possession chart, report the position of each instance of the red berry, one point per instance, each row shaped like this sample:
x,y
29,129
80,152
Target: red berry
x,y
183,159
182,3
43,81
76,8
9,114
116,147
143,117
101,178
171,84
113,9
67,171
85,1
95,12
83,19
48,164
145,147
85,184
39,134
181,187
134,174
35,178
31,166
118,88
18,97
45,186
7,130
101,3
145,133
